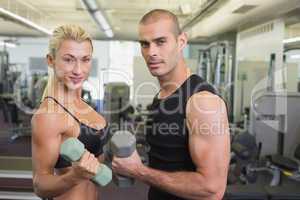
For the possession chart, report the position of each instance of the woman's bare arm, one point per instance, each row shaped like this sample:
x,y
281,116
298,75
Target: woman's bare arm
x,y
46,139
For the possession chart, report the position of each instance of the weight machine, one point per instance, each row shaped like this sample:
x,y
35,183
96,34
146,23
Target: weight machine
x,y
215,66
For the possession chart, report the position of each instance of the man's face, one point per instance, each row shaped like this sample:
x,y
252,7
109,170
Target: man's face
x,y
159,46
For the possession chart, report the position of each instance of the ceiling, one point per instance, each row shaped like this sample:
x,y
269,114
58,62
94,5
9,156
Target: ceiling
x,y
123,15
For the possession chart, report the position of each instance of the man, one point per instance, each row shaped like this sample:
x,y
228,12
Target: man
x,y
189,136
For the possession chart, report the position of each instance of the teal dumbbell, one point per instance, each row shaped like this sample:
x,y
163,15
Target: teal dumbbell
x,y
72,150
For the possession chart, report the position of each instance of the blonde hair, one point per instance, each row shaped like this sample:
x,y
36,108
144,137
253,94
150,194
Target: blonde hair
x,y
60,34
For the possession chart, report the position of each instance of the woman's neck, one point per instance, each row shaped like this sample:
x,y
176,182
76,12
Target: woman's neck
x,y
63,94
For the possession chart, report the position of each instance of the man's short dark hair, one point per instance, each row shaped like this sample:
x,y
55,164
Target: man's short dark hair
x,y
158,14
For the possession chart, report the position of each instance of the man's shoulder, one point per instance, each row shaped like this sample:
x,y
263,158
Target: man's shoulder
x,y
203,101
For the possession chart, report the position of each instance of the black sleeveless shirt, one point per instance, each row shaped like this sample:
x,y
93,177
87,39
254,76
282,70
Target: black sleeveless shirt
x,y
167,133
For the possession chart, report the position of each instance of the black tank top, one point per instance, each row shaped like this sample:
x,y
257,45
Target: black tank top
x,y
167,133
93,139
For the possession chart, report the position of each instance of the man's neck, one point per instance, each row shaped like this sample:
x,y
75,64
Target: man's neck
x,y
173,80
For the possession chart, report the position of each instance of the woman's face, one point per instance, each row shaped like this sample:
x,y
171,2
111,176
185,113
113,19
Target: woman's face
x,y
72,63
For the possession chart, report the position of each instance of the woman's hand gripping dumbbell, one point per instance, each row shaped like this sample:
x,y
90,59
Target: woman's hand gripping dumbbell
x,y
87,166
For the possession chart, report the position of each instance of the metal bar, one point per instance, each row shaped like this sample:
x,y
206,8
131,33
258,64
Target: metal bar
x,y
18,195
16,174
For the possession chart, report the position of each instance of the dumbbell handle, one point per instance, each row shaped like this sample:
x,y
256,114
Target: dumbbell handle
x,y
117,178
72,150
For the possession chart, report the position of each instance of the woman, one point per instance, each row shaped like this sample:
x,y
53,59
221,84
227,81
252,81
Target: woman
x,y
63,114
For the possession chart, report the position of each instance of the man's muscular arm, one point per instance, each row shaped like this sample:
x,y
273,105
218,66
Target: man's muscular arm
x,y
209,148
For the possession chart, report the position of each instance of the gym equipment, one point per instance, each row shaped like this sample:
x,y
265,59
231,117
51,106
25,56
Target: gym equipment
x,y
10,75
5,86
264,166
215,66
35,89
72,150
274,121
271,73
4,68
127,114
246,162
286,166
242,78
215,63
87,97
276,114
122,145
116,100
244,146
204,65
244,153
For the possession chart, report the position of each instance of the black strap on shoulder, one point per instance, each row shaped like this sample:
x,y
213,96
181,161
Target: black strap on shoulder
x,y
55,100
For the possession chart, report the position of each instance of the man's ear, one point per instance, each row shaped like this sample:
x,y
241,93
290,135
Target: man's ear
x,y
50,60
182,40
